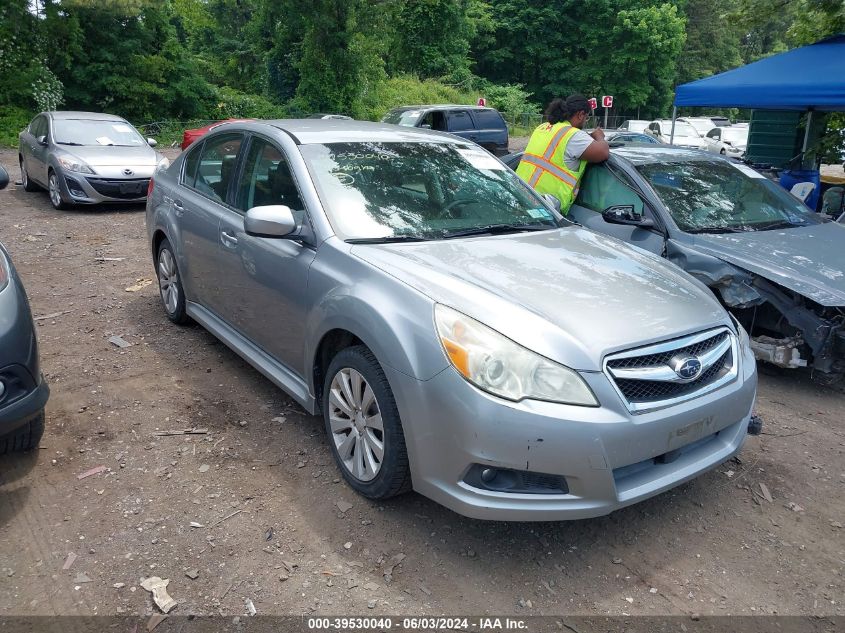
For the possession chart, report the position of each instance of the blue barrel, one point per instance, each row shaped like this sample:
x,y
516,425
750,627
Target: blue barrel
x,y
791,177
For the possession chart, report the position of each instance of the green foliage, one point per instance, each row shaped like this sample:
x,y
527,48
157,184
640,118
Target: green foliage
x,y
410,90
712,43
12,121
233,104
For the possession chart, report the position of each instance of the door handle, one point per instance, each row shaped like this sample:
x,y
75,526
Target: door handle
x,y
228,240
179,208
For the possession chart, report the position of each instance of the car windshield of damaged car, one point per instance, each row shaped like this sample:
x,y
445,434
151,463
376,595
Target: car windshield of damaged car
x,y
722,197
94,132
421,191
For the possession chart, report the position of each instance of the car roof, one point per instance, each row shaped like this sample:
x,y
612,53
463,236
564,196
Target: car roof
x,y
645,154
311,131
434,106
90,116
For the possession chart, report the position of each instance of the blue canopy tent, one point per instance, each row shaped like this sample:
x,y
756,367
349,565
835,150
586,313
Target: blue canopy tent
x,y
807,78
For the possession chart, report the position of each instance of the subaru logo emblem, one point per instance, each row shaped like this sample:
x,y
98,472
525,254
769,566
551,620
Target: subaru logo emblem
x,y
128,172
688,368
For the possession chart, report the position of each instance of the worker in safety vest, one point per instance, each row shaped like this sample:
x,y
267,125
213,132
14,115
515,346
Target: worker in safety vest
x,y
559,150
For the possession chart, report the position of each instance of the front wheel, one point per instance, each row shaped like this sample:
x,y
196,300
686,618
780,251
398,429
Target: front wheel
x,y
363,425
25,438
55,192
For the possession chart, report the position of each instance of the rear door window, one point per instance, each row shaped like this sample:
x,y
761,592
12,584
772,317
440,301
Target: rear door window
x,y
217,164
488,119
460,121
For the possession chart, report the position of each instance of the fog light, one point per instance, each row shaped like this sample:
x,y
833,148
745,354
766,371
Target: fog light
x,y
487,475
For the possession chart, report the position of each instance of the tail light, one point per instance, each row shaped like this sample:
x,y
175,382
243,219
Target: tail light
x,y
150,187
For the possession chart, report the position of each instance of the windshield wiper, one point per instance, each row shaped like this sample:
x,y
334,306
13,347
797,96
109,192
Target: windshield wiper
x,y
68,143
491,229
782,224
388,239
721,229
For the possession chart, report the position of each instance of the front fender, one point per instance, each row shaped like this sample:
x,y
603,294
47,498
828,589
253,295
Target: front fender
x,y
397,326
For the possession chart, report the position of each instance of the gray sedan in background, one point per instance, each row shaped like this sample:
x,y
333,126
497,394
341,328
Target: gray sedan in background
x,y
456,334
23,390
86,158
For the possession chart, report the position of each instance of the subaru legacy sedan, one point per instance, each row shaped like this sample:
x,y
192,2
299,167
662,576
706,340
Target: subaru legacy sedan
x,y
456,334
84,158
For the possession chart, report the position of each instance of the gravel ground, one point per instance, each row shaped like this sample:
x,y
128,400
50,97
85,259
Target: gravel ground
x,y
254,509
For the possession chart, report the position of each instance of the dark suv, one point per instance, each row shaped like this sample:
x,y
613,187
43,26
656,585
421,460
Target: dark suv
x,y
482,125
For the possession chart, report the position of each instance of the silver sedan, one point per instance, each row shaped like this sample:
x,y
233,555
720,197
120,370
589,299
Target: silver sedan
x,y
457,335
86,158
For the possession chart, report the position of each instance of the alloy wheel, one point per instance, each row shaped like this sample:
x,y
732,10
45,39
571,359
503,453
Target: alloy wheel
x,y
55,194
168,280
24,176
356,426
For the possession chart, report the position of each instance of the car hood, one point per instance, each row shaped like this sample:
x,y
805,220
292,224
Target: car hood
x,y
809,260
569,294
112,156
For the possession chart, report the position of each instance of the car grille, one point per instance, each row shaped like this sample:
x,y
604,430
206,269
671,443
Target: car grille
x,y
126,189
646,379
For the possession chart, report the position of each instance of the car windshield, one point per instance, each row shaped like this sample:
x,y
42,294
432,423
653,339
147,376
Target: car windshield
x,y
681,129
96,132
375,191
407,118
736,135
720,197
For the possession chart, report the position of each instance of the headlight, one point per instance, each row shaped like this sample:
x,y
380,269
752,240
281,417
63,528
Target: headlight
x,y
163,164
71,164
499,366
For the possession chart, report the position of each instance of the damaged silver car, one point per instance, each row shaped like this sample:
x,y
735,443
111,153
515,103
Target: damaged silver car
x,y
777,266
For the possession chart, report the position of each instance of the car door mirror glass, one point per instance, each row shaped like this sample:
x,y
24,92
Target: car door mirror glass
x,y
625,214
42,140
272,220
152,142
4,177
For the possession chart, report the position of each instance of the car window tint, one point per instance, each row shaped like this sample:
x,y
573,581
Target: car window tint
x,y
488,119
459,121
39,126
217,165
267,179
602,188
191,161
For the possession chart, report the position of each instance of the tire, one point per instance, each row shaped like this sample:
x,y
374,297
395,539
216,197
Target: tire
x,y
25,438
28,185
54,191
369,476
170,284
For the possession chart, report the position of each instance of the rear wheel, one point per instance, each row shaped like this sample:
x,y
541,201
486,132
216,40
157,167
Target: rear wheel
x,y
28,185
55,191
363,425
25,438
170,284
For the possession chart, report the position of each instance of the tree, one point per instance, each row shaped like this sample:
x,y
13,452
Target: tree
x,y
712,42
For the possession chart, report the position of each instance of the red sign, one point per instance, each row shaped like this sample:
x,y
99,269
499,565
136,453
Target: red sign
x,y
593,103
607,101
482,101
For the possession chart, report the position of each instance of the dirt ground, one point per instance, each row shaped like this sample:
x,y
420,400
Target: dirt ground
x,y
255,507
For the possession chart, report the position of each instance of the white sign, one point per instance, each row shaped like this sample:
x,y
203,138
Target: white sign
x,y
480,159
607,101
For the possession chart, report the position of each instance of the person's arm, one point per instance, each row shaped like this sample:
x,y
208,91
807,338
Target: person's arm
x,y
599,150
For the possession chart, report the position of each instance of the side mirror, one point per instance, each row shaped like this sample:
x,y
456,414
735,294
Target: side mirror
x,y
624,214
274,220
152,142
552,201
42,140
4,177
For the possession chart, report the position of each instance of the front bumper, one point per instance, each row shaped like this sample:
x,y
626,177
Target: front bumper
x,y
21,410
609,457
79,188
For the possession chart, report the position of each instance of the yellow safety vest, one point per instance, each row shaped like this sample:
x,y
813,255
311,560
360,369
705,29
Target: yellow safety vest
x,y
543,165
